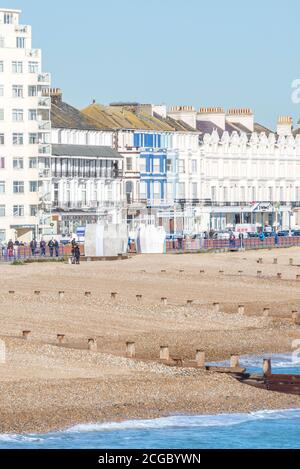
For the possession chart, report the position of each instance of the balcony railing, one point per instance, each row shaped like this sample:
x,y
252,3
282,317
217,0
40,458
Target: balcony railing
x,y
44,102
44,78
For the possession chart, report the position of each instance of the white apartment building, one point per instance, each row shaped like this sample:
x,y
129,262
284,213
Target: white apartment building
x,y
86,171
24,130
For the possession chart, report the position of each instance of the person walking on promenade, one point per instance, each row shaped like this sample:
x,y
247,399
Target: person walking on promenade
x,y
51,247
77,253
56,247
33,246
10,248
43,248
276,238
232,240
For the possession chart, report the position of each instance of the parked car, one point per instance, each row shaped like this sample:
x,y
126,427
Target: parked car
x,y
283,233
296,233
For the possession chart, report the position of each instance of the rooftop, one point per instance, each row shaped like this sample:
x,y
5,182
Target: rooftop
x,y
88,151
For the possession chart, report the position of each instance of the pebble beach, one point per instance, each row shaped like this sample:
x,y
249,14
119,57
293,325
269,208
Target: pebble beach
x,y
46,385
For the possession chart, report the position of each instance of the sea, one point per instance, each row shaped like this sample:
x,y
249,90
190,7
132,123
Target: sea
x,y
256,430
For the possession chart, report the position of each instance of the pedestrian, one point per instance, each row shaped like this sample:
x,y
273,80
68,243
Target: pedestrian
x,y
56,247
51,247
241,238
10,248
77,254
276,238
43,247
232,240
33,246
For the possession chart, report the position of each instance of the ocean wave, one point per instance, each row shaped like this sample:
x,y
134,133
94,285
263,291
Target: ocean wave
x,y
14,438
279,360
186,421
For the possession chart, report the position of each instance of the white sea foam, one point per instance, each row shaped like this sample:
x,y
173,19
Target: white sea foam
x,y
280,360
185,421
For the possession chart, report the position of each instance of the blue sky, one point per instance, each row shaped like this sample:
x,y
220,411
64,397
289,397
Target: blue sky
x,y
219,53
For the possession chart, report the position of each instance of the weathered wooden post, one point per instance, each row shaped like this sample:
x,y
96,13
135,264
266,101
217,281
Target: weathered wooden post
x,y
87,294
61,295
279,275
291,261
267,367
234,361
200,358
298,277
26,334
37,292
164,353
139,298
92,344
202,271
241,309
190,302
259,273
130,349
275,261
11,292
266,312
216,307
296,318
164,300
60,338
113,295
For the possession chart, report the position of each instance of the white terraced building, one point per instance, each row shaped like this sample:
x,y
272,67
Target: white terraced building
x,y
248,173
24,130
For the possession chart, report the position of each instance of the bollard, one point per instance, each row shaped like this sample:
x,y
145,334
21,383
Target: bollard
x,y
296,318
113,295
139,297
275,260
26,334
130,349
279,275
267,367
164,353
190,302
88,294
92,343
37,292
60,338
291,261
200,358
164,301
234,361
266,312
216,307
11,292
61,294
241,309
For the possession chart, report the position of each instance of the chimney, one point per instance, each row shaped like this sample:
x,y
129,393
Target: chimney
x,y
243,116
186,114
216,115
284,126
56,95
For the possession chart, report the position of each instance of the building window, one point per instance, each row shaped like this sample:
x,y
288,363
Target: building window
x,y
18,163
32,114
181,167
17,91
2,232
143,166
143,190
1,66
17,115
8,18
17,67
2,162
32,91
194,166
213,194
33,186
181,190
169,165
33,210
194,190
2,187
18,211
128,164
18,139
1,114
2,214
20,42
33,139
1,90
2,139
33,67
32,163
18,187
156,165
2,41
